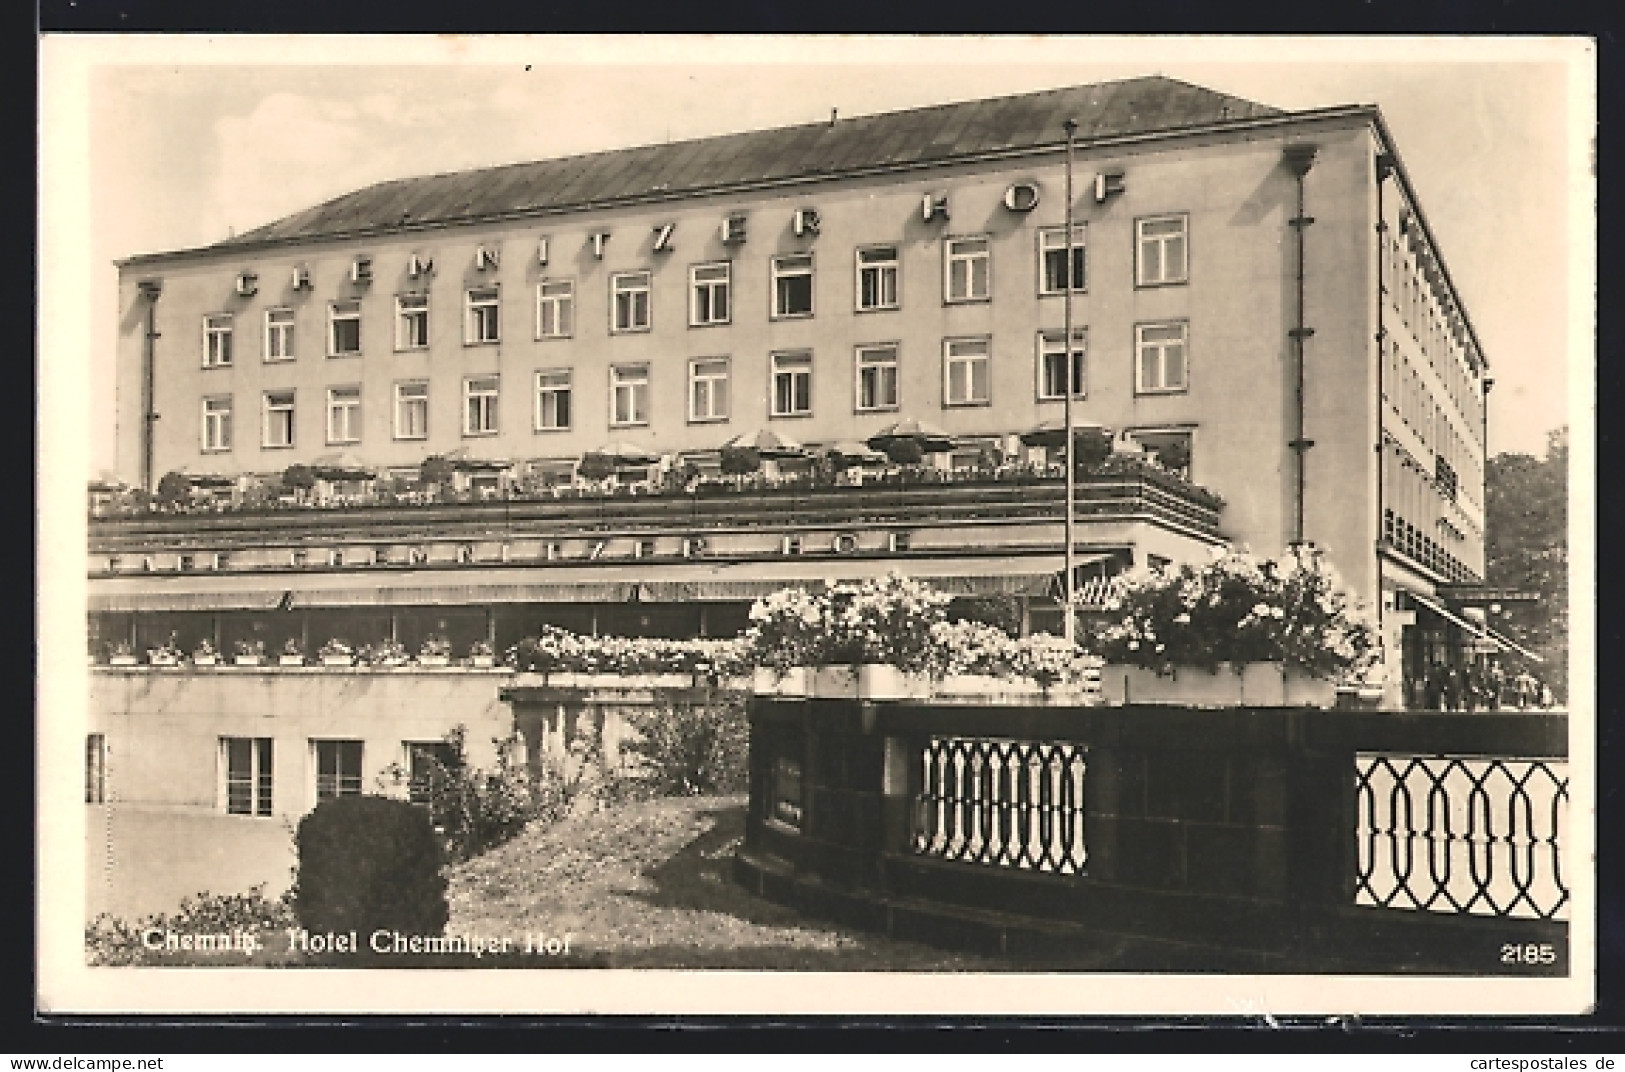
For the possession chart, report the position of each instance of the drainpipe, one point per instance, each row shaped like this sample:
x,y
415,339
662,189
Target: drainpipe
x,y
150,290
1299,158
1385,169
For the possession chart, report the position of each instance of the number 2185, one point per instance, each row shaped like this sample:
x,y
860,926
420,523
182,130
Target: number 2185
x,y
1545,953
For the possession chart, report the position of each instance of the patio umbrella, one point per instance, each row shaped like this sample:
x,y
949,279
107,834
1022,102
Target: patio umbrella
x,y
621,454
341,467
931,439
464,463
1053,433
852,450
767,444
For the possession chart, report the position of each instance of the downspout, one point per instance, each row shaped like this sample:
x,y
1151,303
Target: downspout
x,y
1299,158
150,290
1385,168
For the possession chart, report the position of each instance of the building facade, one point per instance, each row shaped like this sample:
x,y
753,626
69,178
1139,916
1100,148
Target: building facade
x,y
1260,316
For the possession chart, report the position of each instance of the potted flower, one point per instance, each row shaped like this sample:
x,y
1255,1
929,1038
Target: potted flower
x,y
434,651
205,654
337,652
293,653
1236,630
248,652
166,654
121,653
387,653
481,654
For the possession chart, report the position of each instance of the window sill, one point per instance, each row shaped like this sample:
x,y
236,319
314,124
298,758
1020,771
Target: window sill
x,y
347,353
789,416
629,331
550,431
410,438
214,450
552,338
408,350
276,446
710,420
967,301
632,424
479,435
711,324
1080,292
980,403
470,343
1141,392
876,409
274,361
1161,285
211,368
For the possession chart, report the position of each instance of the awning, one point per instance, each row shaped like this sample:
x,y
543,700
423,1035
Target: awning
x,y
1513,645
1448,615
666,582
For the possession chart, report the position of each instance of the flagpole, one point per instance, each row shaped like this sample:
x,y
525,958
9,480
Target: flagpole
x,y
1070,386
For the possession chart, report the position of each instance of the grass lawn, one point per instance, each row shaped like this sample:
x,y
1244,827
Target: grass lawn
x,y
648,884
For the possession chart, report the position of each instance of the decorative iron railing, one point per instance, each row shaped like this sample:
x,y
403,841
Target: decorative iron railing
x,y
1474,836
1002,803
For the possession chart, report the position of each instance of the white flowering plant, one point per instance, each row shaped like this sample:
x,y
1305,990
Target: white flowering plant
x,y
557,650
1238,609
786,628
886,620
1051,660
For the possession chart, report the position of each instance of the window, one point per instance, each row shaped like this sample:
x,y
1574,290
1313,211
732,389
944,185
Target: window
x,y
877,278
344,329
217,341
1161,362
552,400
555,308
343,414
480,405
877,377
629,301
279,334
792,384
708,287
412,322
412,410
708,389
95,768
217,424
1053,273
1052,364
793,286
484,323
966,372
968,266
1170,448
338,769
278,419
629,395
248,775
1161,256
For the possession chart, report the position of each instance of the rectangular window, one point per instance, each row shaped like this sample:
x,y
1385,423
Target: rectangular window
x,y
792,384
877,377
95,768
279,334
338,769
1052,364
708,389
412,322
484,317
248,775
1054,274
629,301
555,308
1161,256
412,410
708,287
344,329
966,373
792,286
344,414
480,405
1160,366
217,341
552,400
629,395
217,424
968,263
278,419
877,278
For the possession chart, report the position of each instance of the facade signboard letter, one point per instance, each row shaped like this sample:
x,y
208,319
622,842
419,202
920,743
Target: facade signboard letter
x,y
1021,197
934,205
598,239
806,222
663,237
733,229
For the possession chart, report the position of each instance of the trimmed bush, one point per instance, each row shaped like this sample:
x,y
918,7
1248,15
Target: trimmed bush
x,y
368,862
692,749
174,489
435,469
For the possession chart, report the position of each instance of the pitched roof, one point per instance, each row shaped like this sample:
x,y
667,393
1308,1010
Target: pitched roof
x,y
918,136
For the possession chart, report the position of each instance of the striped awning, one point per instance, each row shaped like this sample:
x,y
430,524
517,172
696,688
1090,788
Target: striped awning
x,y
663,582
1446,613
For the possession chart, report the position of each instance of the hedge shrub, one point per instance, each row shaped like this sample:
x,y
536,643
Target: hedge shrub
x,y
692,749
369,862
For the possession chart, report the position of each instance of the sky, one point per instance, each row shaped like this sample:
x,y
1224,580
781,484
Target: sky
x,y
167,143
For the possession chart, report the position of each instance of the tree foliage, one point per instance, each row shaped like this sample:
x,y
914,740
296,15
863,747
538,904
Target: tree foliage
x,y
1527,548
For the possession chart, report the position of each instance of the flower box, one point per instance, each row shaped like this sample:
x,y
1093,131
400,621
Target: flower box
x,y
482,661
163,658
121,660
392,661
1264,684
338,660
434,660
247,660
291,660
795,681
204,660
868,681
